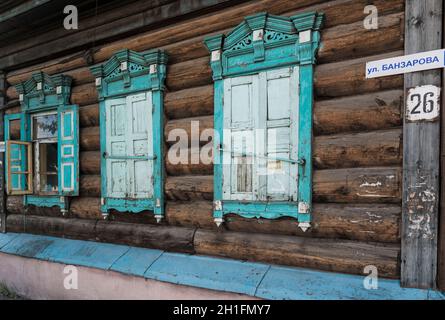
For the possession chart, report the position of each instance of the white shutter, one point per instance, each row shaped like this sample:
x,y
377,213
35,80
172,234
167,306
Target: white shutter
x,y
261,120
116,148
129,144
241,103
140,144
281,87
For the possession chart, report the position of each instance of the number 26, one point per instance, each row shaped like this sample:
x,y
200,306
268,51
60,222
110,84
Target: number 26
x,y
428,102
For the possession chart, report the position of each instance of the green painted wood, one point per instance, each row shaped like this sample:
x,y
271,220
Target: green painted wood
x,y
130,87
264,43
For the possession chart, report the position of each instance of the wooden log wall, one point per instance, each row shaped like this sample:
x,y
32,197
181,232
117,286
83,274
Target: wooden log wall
x,y
357,144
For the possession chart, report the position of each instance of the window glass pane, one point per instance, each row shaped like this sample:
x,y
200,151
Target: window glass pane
x,y
45,126
14,129
48,171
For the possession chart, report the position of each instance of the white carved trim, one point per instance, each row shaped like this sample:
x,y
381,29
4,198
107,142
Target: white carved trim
x,y
124,65
39,86
305,36
258,35
304,226
153,68
98,81
21,97
218,205
59,89
216,55
303,207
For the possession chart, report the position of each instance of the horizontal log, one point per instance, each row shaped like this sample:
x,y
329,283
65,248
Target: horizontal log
x,y
197,129
358,185
89,185
190,214
353,40
189,74
189,188
52,226
53,66
84,94
382,148
168,238
379,110
89,162
331,80
89,115
189,102
198,161
89,21
355,185
85,208
113,29
186,37
14,204
364,222
89,139
348,78
340,12
324,254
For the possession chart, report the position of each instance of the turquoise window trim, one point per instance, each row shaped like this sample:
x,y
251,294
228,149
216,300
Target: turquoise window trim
x,y
264,42
38,94
145,71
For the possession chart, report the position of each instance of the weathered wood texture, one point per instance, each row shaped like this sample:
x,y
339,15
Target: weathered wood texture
x,y
108,30
168,238
421,159
325,254
340,255
352,185
366,222
441,251
357,143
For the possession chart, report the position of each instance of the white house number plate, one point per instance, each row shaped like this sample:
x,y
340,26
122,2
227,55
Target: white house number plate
x,y
423,103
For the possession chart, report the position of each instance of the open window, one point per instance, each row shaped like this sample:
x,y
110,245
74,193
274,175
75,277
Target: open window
x,y
43,142
263,84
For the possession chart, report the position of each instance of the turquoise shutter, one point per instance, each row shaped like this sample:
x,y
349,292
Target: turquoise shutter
x,y
69,151
17,159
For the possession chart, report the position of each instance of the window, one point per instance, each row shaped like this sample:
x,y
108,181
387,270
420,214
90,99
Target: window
x,y
260,118
44,137
263,73
130,87
42,143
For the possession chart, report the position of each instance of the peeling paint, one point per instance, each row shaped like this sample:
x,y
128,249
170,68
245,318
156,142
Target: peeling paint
x,y
421,204
367,184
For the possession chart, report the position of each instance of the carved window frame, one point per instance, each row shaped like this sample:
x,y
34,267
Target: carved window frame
x,y
263,42
40,94
129,72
